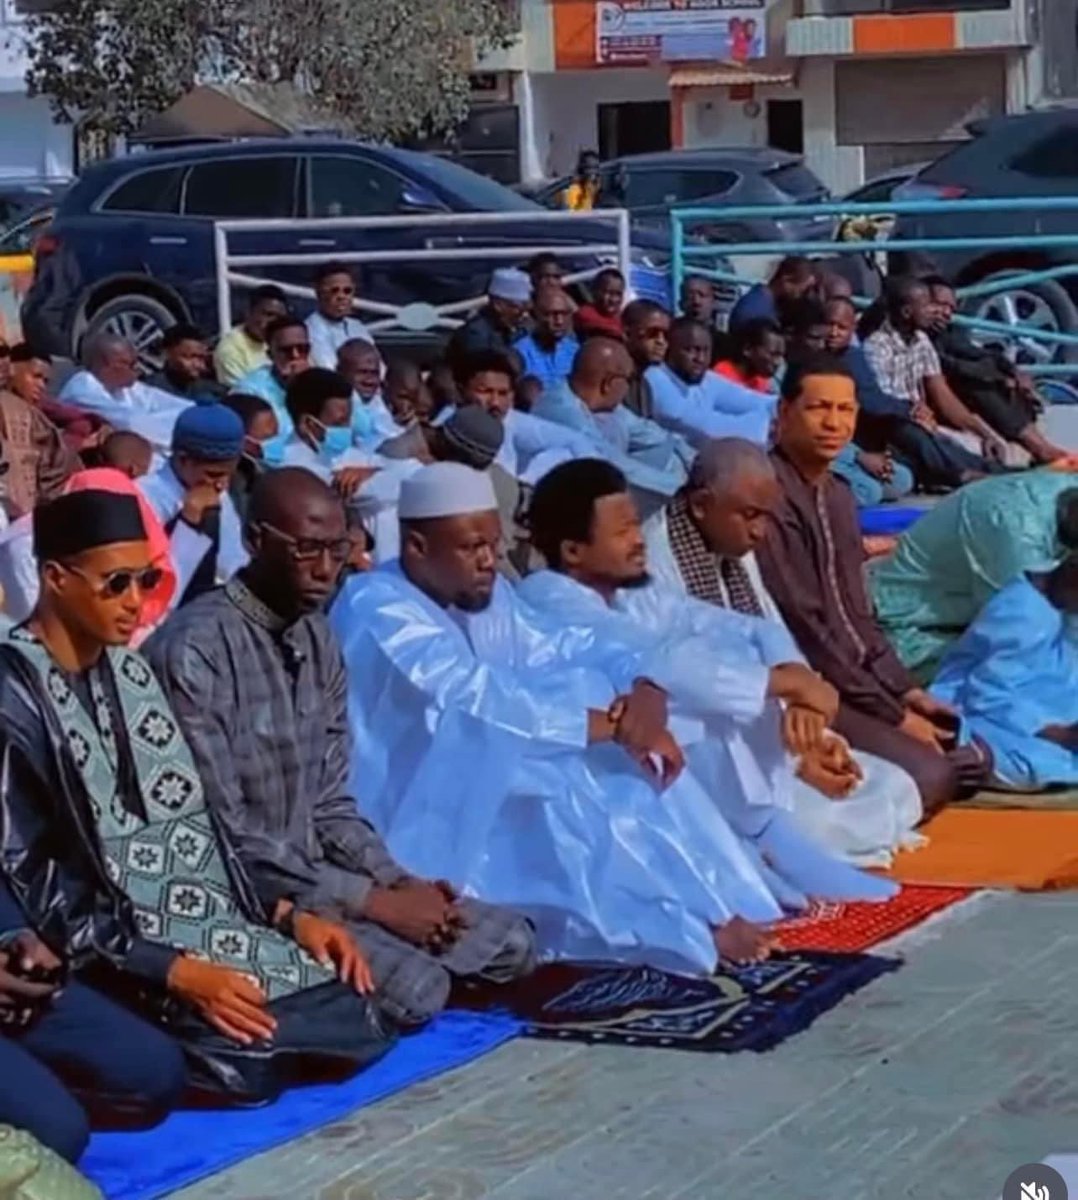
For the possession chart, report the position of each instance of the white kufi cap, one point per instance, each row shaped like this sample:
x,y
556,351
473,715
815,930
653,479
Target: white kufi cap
x,y
445,489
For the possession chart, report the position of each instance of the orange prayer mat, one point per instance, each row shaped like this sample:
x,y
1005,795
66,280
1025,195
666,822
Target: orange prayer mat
x,y
1022,849
853,928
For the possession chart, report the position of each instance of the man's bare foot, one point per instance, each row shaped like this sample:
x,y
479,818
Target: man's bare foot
x,y
740,941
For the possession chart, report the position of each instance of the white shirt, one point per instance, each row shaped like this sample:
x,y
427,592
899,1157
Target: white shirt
x,y
327,338
189,547
141,409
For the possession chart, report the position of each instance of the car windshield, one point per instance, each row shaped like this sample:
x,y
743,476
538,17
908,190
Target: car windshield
x,y
470,190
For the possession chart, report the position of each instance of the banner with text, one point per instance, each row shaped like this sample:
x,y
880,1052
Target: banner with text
x,y
635,32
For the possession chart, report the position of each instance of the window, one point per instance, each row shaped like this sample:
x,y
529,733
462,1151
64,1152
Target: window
x,y
148,192
649,189
797,182
354,187
242,187
1053,157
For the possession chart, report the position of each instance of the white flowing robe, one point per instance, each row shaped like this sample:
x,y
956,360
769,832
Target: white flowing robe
x,y
471,756
714,665
875,820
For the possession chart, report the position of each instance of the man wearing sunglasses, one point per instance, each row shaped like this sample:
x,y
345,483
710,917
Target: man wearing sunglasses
x,y
332,324
257,681
110,847
289,346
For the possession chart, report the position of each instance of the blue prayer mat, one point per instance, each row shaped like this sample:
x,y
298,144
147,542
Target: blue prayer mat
x,y
888,520
740,1008
192,1145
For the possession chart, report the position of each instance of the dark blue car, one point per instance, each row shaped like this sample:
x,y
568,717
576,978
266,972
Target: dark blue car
x,y
131,248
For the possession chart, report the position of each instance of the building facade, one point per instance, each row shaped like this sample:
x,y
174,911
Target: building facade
x,y
32,145
858,86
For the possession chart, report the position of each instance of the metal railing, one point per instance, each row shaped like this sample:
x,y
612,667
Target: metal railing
x,y
691,256
234,270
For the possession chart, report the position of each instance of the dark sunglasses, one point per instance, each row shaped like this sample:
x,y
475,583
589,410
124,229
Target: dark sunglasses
x,y
299,350
311,549
341,291
118,583
5,351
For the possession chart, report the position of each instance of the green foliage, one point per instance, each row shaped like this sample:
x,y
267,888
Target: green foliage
x,y
384,68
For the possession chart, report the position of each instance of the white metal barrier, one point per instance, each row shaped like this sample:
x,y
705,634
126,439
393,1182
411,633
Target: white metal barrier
x,y
232,270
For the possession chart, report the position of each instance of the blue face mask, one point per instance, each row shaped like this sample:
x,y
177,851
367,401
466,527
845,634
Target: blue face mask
x,y
336,439
273,450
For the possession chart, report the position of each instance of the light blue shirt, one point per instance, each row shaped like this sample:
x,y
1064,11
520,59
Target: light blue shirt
x,y
532,445
651,459
327,338
165,493
550,367
713,408
263,383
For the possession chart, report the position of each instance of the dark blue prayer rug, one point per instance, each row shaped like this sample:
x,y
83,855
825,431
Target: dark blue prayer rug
x,y
742,1008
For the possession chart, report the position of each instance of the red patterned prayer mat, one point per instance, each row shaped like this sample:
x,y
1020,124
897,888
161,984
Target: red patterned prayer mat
x,y
853,928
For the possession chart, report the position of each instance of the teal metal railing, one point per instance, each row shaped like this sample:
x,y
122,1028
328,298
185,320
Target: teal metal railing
x,y
692,255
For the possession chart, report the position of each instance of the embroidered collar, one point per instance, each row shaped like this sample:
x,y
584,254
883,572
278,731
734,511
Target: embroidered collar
x,y
253,608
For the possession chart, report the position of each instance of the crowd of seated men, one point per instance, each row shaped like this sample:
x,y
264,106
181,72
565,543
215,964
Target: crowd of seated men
x,y
323,678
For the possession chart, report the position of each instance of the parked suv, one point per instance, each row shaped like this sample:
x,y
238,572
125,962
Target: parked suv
x,y
1030,154
650,186
131,248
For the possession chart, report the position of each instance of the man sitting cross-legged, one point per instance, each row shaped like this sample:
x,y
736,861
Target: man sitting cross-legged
x,y
527,761
703,546
257,682
112,852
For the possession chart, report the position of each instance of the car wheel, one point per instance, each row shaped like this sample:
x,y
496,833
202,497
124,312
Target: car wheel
x,y
1044,306
141,320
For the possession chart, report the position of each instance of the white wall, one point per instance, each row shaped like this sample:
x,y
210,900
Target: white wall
x,y
30,144
713,119
564,108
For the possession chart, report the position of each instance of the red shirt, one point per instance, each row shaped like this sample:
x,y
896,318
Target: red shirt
x,y
589,322
730,370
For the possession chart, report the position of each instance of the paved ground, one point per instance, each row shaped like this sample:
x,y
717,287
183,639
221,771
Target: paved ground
x,y
933,1083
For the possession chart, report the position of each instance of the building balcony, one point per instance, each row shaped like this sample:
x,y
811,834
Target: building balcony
x,y
901,27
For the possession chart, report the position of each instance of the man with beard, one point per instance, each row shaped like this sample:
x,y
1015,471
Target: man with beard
x,y
747,708
258,686
526,763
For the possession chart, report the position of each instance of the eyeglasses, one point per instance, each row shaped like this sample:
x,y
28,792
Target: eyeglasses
x,y
311,549
5,351
118,583
346,290
297,350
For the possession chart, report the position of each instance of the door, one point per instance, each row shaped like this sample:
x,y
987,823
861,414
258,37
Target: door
x,y
786,125
633,127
